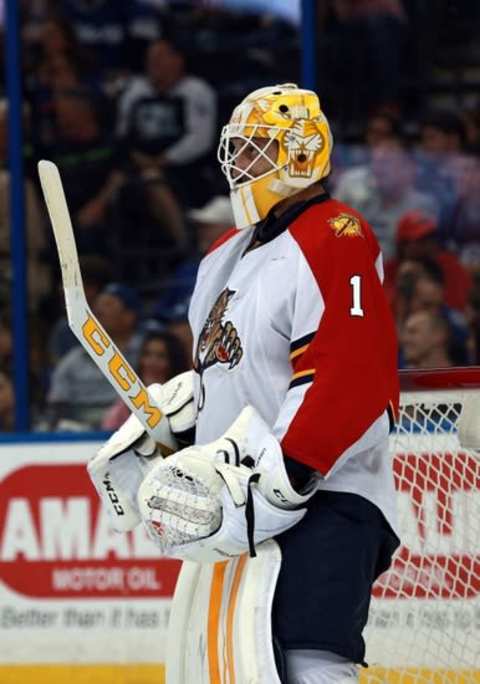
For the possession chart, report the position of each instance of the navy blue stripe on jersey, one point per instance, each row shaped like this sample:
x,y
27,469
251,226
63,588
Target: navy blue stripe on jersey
x,y
302,341
302,378
300,346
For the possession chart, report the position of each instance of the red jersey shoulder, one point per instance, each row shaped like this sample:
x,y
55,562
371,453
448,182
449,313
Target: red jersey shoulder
x,y
224,237
334,226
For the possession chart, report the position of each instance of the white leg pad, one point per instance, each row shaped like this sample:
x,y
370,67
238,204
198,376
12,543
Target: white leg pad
x,y
220,622
319,667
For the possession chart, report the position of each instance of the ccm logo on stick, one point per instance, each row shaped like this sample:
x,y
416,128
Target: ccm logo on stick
x,y
120,371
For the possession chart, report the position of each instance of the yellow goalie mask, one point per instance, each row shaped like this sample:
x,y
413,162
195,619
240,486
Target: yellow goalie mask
x,y
276,143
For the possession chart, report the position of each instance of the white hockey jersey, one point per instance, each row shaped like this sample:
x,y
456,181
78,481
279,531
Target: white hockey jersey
x,y
299,327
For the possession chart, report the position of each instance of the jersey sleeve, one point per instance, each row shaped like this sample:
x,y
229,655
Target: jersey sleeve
x,y
343,348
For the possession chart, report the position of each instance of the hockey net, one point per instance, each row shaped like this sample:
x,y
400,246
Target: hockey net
x,y
424,624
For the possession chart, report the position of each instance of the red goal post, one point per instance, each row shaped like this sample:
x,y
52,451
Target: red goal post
x,y
424,624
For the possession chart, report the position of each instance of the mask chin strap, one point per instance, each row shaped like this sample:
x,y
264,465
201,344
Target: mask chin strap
x,y
281,188
244,209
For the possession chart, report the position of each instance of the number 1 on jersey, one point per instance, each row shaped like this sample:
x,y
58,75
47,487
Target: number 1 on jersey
x,y
356,309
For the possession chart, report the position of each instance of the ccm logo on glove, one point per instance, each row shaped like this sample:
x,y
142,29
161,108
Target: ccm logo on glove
x,y
112,495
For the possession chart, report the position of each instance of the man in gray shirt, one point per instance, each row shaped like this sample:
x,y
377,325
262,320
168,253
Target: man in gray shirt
x,y
79,392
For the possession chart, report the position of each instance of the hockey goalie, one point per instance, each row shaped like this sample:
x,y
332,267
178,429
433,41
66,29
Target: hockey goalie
x,y
279,497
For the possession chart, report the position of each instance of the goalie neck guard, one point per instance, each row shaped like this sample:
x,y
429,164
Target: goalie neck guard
x,y
277,143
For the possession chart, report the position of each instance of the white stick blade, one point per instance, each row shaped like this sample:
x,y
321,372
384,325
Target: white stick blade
x,y
61,223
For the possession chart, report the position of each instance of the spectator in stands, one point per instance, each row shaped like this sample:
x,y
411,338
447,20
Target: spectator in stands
x,y
442,134
168,119
400,291
86,156
428,294
383,191
463,231
58,39
34,15
381,127
79,392
7,403
57,64
161,358
209,222
425,340
442,139
38,272
167,123
149,225
417,239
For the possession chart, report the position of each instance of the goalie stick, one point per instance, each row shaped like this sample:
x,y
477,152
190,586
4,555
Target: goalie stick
x,y
81,320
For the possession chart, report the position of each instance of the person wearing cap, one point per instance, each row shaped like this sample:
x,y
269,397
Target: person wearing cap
x,y
417,239
209,221
79,391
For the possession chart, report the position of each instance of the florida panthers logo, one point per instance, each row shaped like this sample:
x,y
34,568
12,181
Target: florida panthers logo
x,y
219,341
346,224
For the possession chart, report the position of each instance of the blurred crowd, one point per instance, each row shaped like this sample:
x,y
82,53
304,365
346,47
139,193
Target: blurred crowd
x,y
128,98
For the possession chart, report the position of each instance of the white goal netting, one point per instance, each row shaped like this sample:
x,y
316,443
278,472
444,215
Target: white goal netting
x,y
424,624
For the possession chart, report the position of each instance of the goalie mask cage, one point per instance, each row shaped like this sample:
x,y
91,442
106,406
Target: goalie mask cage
x,y
424,623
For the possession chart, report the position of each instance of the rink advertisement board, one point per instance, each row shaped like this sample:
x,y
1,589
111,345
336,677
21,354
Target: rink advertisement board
x,y
73,590
77,596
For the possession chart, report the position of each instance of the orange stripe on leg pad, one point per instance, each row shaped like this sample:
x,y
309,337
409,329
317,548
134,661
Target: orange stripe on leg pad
x,y
214,610
231,614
